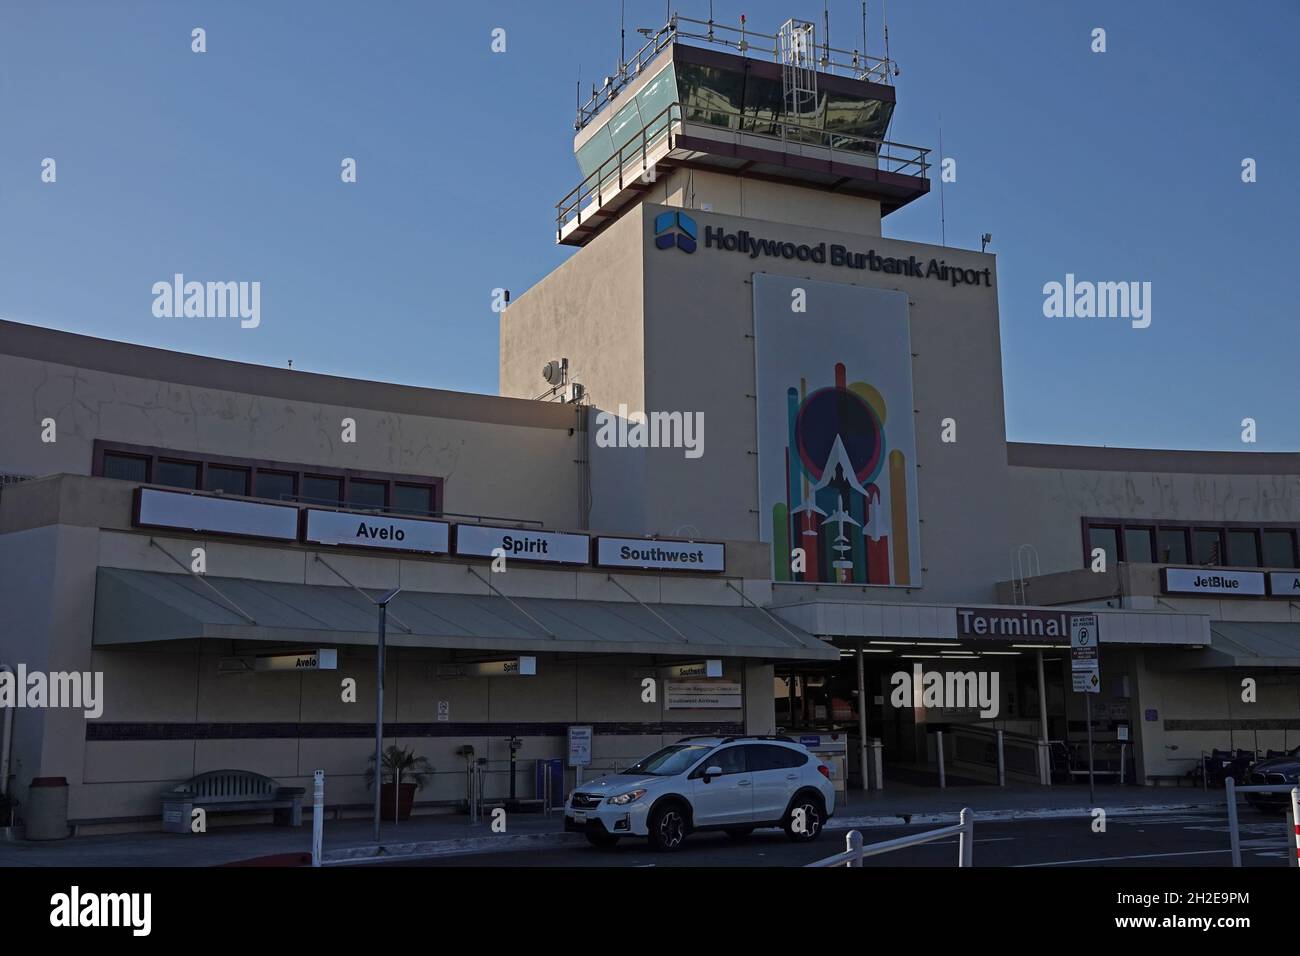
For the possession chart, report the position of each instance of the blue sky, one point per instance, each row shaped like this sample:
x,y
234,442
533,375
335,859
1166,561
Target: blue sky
x,y
1116,166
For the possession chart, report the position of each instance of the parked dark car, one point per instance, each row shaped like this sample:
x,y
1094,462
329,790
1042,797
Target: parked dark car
x,y
1284,770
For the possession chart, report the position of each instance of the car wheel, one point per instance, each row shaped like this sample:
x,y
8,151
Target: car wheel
x,y
809,810
603,840
668,827
739,833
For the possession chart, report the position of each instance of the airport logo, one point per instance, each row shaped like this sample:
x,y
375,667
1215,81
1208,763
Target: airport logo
x,y
953,690
675,229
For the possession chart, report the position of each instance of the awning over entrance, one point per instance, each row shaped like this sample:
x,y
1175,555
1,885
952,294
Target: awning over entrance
x,y
134,607
1253,644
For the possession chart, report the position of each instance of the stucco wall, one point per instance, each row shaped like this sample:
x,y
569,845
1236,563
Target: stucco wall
x,y
502,458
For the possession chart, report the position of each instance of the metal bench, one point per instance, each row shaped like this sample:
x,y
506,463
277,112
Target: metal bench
x,y
230,791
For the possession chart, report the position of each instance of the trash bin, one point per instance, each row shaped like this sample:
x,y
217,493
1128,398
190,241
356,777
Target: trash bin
x,y
46,813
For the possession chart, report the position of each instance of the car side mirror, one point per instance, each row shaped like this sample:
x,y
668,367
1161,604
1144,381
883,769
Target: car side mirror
x,y
711,773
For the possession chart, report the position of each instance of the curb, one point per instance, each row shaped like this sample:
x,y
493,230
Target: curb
x,y
455,847
987,816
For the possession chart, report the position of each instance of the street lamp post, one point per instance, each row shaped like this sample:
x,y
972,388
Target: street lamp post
x,y
382,604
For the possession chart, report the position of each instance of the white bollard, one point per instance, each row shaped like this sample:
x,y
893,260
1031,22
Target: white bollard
x,y
317,817
1295,823
853,843
1234,838
1002,764
966,842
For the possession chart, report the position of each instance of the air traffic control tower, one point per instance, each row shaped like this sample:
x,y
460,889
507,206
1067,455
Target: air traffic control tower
x,y
731,266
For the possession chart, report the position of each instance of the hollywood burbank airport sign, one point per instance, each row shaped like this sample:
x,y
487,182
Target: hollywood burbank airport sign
x,y
715,237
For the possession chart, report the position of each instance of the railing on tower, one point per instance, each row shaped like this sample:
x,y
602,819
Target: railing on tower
x,y
851,63
633,160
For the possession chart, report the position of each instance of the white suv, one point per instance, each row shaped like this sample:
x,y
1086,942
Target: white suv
x,y
734,784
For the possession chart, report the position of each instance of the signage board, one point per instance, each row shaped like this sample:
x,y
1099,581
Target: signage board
x,y
1212,581
660,555
444,710
185,511
837,480
580,746
371,531
520,544
1284,584
1025,624
512,667
708,668
1085,667
325,659
702,695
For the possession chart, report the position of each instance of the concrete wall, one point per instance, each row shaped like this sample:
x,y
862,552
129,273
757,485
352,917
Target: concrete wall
x,y
122,778
732,195
588,310
700,356
1063,485
497,457
1199,710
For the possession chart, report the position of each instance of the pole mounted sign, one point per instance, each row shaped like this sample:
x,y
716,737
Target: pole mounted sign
x,y
1085,666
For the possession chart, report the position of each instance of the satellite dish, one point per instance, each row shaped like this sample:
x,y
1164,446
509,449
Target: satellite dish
x,y
553,372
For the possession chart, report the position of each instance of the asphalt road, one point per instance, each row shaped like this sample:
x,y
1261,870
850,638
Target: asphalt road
x,y
1183,839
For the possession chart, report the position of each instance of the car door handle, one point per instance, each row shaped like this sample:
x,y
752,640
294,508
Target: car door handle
x,y
792,776
743,783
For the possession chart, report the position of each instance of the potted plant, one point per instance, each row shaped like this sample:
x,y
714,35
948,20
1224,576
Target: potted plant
x,y
404,774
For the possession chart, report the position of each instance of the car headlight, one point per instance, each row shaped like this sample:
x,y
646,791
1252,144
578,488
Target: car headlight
x,y
625,798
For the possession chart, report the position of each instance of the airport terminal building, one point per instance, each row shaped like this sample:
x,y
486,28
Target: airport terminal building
x,y
766,471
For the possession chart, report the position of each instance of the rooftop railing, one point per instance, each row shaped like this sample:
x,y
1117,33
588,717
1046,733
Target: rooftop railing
x,y
633,161
856,64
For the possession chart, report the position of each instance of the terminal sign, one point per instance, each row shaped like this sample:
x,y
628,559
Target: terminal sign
x,y
518,544
212,513
371,531
325,659
660,555
1213,581
1284,584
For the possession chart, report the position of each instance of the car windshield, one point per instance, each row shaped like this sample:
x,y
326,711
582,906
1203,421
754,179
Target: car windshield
x,y
670,761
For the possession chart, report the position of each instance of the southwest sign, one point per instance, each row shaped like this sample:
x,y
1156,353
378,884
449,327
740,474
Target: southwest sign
x,y
660,555
1212,581
369,531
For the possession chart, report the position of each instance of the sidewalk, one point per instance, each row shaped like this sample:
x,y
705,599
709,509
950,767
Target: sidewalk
x,y
351,840
1020,802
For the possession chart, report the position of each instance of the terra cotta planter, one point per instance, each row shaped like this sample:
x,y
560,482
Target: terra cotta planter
x,y
404,801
